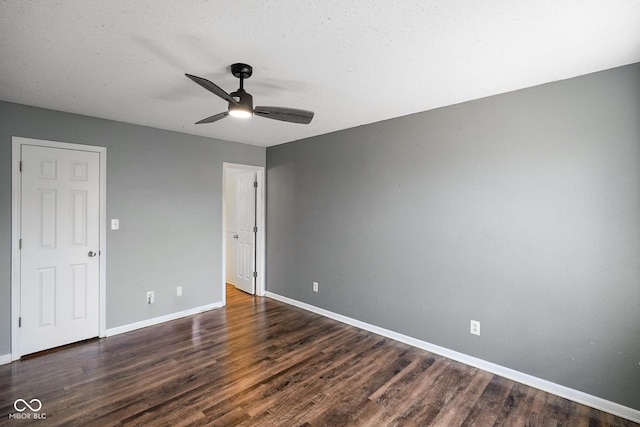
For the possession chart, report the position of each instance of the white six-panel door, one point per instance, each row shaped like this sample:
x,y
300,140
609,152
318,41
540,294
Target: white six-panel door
x,y
246,221
59,256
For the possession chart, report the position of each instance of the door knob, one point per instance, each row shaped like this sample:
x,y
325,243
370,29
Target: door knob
x,y
92,254
235,236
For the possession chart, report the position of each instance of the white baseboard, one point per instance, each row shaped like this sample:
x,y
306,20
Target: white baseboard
x,y
156,320
5,358
526,379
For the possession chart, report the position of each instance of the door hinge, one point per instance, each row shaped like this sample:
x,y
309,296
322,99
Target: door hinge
x,y
255,229
255,184
20,244
255,274
20,167
19,322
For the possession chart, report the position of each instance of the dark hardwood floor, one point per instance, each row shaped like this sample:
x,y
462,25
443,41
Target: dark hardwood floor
x,y
259,362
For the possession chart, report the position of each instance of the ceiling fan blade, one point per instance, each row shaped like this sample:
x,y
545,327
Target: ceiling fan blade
x,y
285,114
212,87
213,118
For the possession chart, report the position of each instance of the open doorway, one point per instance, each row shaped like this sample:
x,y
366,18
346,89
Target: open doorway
x,y
243,236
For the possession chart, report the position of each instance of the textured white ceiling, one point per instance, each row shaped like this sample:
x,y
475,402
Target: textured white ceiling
x,y
352,62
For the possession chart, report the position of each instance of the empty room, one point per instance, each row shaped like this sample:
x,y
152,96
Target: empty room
x,y
320,213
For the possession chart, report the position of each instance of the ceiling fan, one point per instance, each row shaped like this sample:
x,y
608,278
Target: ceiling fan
x,y
241,102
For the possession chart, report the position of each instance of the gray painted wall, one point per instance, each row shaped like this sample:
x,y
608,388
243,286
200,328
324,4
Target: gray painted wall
x,y
166,189
521,211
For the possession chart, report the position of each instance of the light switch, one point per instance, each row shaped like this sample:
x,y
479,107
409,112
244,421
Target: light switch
x,y
115,224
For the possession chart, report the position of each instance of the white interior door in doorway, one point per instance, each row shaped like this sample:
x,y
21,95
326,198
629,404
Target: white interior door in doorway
x,y
59,250
243,243
246,194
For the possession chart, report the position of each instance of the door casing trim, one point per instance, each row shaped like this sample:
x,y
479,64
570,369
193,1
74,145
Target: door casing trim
x,y
16,211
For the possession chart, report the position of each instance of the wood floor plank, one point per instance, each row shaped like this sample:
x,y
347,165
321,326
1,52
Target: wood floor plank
x,y
487,407
366,372
454,413
430,402
259,362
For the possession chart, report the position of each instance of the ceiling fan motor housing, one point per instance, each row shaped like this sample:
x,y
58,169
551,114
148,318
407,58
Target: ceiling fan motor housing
x,y
244,99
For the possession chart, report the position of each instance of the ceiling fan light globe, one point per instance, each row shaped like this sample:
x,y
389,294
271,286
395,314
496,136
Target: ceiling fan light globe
x,y
240,113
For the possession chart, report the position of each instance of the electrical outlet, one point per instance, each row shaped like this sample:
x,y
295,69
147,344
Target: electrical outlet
x,y
179,291
315,286
150,297
475,327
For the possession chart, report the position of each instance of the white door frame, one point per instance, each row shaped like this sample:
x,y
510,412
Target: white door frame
x,y
16,214
260,287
